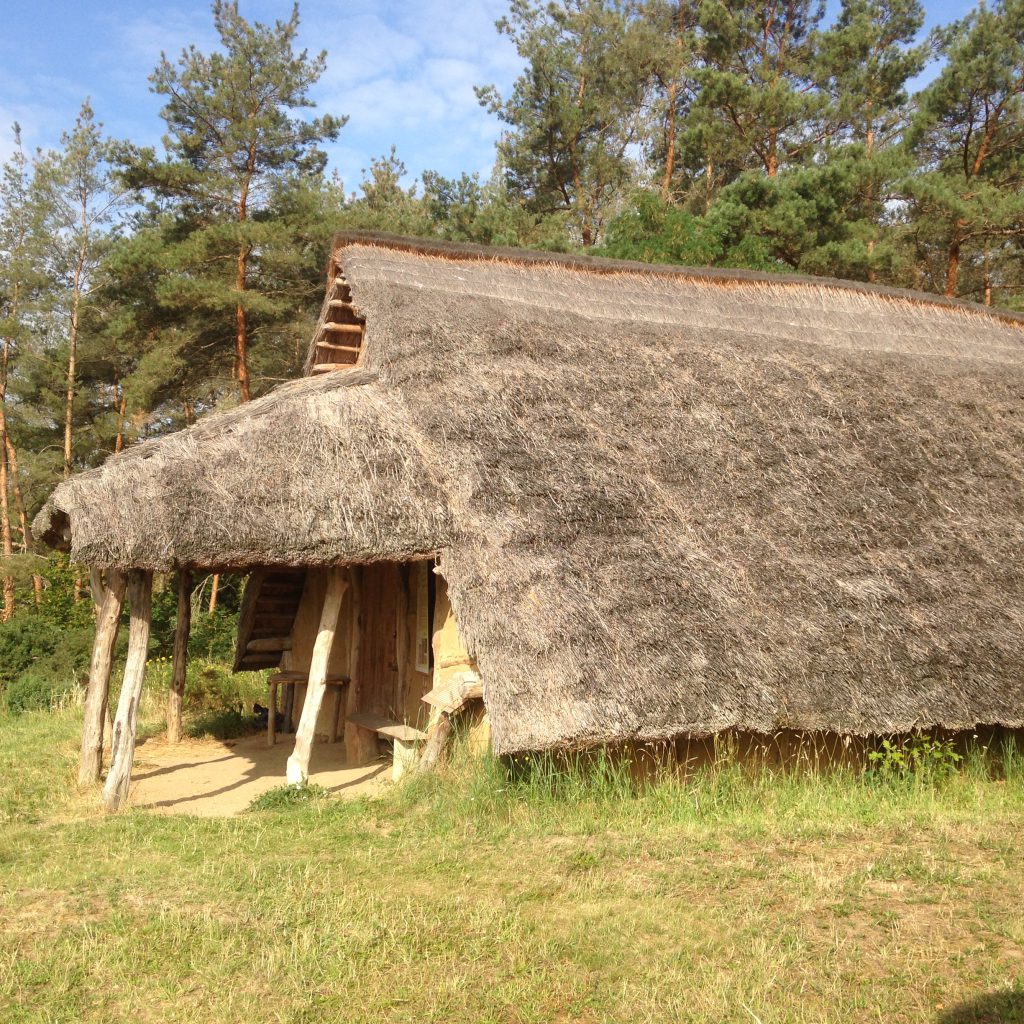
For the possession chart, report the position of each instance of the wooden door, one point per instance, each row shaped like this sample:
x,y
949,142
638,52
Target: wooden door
x,y
378,647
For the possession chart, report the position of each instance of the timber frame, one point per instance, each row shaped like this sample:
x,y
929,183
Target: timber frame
x,y
357,631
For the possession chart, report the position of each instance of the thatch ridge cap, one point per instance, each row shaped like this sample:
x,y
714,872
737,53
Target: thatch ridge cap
x,y
474,252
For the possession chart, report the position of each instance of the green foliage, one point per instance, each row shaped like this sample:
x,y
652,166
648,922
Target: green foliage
x,y
916,756
575,111
45,649
288,796
34,690
655,231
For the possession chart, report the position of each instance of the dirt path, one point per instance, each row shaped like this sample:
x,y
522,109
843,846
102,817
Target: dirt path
x,y
214,778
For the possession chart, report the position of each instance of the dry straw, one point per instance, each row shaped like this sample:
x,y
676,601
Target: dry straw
x,y
665,503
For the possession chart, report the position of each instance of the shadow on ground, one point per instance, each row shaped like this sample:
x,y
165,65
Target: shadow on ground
x,y
1006,1007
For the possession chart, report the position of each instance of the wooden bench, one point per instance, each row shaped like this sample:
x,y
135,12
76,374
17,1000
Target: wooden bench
x,y
290,679
405,737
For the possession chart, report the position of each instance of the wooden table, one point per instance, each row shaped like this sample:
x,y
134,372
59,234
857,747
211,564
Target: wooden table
x,y
335,683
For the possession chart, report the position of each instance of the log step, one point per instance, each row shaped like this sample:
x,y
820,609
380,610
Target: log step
x,y
330,346
327,367
385,727
341,304
344,329
268,645
253,663
294,676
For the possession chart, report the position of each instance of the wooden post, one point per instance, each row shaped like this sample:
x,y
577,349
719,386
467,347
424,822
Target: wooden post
x,y
96,588
438,735
108,620
298,763
272,712
122,746
360,744
179,665
401,711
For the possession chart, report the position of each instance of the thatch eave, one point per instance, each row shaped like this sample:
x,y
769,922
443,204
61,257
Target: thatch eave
x,y
666,501
297,478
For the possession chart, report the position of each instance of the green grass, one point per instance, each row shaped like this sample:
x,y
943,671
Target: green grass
x,y
558,894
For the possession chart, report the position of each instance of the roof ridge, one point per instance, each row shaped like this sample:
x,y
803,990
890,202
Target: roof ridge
x,y
472,252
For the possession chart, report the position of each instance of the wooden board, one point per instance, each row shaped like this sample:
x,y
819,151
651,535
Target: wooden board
x,y
385,727
377,667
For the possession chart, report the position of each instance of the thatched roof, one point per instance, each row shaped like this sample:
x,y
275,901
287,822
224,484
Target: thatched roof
x,y
664,501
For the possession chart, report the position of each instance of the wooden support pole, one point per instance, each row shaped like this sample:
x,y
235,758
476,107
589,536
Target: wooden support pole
x,y
96,588
122,745
108,620
179,664
360,744
298,763
401,704
439,735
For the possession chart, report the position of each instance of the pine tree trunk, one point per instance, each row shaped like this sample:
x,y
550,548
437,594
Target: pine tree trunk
x,y
670,144
122,408
5,535
953,264
69,397
242,330
5,471
179,665
19,499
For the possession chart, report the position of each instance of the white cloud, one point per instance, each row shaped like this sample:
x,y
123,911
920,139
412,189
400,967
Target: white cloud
x,y
403,70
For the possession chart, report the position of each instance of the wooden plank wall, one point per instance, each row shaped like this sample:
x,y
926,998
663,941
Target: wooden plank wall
x,y
386,655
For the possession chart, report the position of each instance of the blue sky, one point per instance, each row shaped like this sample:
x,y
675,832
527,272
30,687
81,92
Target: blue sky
x,y
403,72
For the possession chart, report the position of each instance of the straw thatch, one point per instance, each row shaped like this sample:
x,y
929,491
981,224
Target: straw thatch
x,y
664,502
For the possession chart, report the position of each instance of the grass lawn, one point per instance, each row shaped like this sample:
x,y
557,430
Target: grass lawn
x,y
747,898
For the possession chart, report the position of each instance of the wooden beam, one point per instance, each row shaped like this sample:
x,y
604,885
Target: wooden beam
x,y
179,662
461,688
438,735
269,645
122,746
401,699
385,727
330,367
356,329
298,763
360,745
108,620
247,613
96,588
330,346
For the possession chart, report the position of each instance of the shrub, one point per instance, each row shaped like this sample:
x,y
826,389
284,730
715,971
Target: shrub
x,y
24,640
917,755
283,797
35,690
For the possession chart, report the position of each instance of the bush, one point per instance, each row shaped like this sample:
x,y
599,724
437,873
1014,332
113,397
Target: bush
x,y
282,797
35,690
24,640
41,660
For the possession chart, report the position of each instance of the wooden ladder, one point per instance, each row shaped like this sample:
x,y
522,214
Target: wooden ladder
x,y
339,341
269,606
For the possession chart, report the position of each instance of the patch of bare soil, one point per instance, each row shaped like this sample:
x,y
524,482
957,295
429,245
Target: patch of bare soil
x,y
216,778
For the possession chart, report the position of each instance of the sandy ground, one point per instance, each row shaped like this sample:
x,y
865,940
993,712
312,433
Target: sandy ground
x,y
214,778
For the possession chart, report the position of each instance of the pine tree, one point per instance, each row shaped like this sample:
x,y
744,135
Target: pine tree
x,y
968,204
672,56
234,149
758,86
575,112
21,279
77,191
